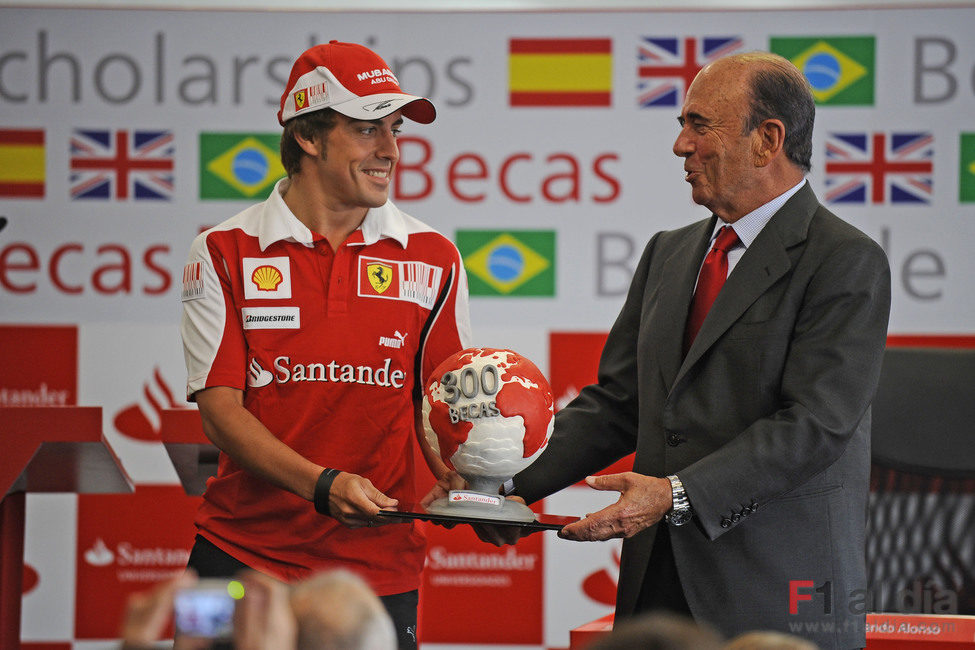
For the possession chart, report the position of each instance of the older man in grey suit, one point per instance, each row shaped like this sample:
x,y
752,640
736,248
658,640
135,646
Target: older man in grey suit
x,y
752,435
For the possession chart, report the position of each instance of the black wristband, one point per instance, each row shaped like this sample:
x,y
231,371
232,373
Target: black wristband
x,y
322,488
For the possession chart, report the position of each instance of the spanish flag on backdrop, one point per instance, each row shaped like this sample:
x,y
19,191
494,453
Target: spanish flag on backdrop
x,y
22,163
560,71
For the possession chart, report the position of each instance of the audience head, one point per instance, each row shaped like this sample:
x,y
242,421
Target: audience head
x,y
769,641
659,631
337,610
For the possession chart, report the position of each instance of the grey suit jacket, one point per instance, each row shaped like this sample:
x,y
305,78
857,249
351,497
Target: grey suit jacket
x,y
766,421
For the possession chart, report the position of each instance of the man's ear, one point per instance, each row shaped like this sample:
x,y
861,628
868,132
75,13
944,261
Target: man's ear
x,y
311,147
769,141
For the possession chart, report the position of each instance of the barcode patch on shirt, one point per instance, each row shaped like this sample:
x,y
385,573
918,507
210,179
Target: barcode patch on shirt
x,y
419,283
192,281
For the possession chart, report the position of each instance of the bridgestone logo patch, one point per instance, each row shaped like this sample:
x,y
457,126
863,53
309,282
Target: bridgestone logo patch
x,y
270,318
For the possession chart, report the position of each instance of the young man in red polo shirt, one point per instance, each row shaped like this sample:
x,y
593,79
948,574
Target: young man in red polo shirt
x,y
311,322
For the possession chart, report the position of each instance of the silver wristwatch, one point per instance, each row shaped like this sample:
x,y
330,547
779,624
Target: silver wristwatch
x,y
681,513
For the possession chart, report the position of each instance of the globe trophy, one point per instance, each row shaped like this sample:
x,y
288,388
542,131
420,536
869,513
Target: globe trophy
x,y
488,413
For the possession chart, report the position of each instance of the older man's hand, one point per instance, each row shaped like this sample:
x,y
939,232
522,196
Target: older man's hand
x,y
643,502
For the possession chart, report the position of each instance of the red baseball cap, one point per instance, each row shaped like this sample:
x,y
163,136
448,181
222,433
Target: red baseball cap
x,y
352,80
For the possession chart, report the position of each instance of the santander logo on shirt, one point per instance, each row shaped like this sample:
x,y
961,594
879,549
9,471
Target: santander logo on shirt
x,y
284,370
257,376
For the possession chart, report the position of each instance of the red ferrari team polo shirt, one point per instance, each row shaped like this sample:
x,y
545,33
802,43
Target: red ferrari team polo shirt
x,y
327,347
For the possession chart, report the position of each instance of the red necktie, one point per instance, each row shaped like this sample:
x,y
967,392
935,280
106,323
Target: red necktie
x,y
713,274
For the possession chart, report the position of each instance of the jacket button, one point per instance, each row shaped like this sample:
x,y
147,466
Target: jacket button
x,y
674,439
735,518
725,523
754,506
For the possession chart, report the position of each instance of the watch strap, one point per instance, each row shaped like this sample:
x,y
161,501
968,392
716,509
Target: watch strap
x,y
681,511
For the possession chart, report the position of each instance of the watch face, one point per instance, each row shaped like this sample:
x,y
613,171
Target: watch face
x,y
680,518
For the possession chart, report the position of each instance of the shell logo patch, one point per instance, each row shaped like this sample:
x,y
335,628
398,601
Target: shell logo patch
x,y
380,276
266,277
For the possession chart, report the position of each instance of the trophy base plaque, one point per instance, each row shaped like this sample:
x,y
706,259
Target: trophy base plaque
x,y
508,513
479,504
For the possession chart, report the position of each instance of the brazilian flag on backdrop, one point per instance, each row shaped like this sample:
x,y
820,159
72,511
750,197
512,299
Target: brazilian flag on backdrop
x,y
509,262
840,69
966,175
239,165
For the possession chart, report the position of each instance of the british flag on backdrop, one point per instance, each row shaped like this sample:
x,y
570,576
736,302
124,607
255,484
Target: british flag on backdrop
x,y
121,164
667,65
879,168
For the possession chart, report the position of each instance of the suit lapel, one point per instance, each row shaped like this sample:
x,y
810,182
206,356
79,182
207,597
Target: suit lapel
x,y
765,261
